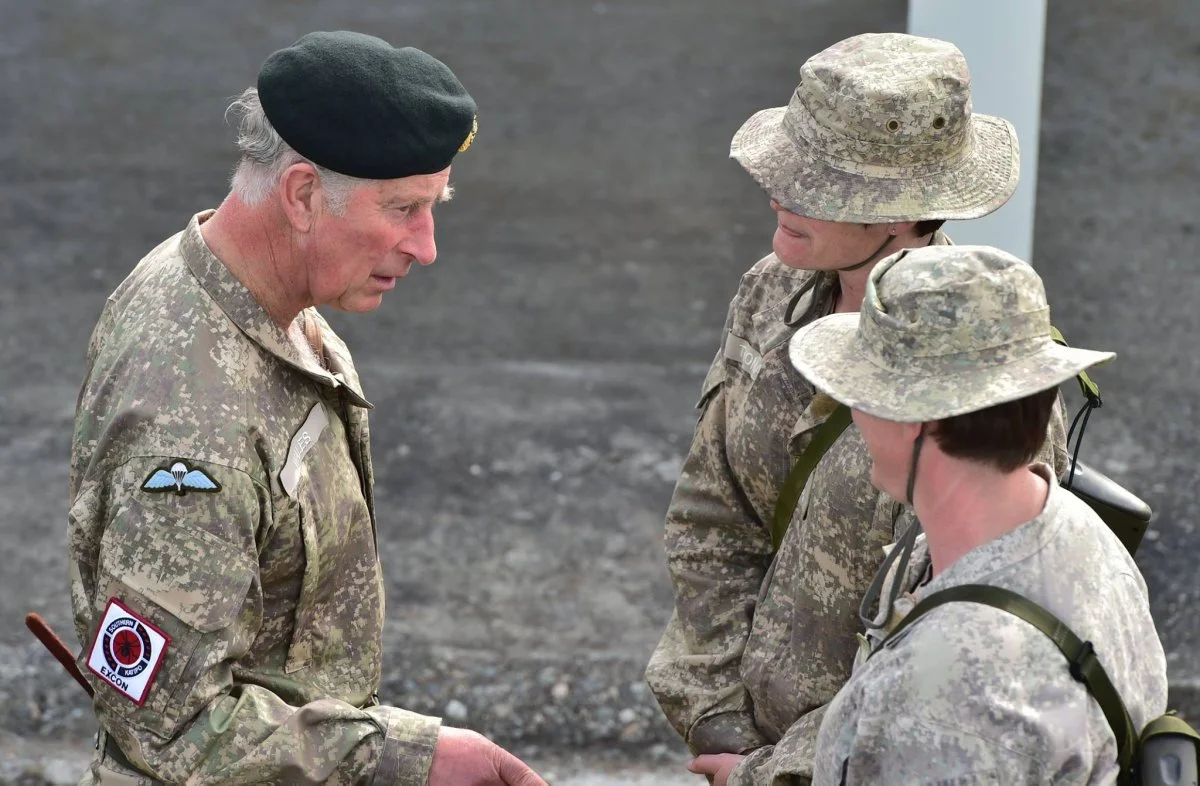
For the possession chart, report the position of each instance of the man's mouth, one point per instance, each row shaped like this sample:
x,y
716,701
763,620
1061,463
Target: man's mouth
x,y
390,281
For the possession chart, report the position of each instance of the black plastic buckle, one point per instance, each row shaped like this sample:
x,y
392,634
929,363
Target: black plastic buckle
x,y
1086,654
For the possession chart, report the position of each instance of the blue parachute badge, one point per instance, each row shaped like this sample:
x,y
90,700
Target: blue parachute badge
x,y
180,479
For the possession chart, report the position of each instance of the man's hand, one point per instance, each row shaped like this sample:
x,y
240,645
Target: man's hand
x,y
465,758
718,765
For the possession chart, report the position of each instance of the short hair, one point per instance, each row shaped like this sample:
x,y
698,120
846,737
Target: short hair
x,y
265,157
924,228
1006,436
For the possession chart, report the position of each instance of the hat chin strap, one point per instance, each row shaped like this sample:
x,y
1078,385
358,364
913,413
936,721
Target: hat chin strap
x,y
887,242
900,555
912,469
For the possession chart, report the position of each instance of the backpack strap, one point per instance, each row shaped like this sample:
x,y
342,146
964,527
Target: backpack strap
x,y
1080,655
789,494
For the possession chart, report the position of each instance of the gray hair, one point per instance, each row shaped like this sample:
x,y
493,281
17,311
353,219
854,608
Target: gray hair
x,y
265,157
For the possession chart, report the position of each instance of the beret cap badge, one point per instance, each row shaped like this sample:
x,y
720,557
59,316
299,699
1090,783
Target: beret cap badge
x,y
471,136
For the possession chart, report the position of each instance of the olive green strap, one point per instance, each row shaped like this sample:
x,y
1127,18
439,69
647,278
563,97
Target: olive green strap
x,y
789,495
1091,390
1080,655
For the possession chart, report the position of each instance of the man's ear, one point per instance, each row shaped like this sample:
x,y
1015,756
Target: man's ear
x,y
300,195
902,228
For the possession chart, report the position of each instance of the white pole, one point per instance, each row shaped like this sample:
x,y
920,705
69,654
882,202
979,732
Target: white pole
x,y
1003,41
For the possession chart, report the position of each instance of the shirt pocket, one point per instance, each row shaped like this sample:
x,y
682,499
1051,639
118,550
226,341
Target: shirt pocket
x,y
188,583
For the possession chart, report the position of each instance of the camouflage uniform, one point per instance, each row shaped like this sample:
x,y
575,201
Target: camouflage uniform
x,y
268,587
759,642
972,694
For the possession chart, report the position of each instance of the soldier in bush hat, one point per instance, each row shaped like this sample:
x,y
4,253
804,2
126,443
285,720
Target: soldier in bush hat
x,y
876,148
225,576
951,374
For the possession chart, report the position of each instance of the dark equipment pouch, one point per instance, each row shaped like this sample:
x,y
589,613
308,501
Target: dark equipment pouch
x,y
1122,510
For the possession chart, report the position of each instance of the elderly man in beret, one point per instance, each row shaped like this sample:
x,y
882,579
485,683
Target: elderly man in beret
x,y
225,575
877,147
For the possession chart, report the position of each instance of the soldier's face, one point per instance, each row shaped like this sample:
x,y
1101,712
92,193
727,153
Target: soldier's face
x,y
812,244
387,226
890,445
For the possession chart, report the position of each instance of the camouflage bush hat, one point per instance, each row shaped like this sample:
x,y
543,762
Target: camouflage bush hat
x,y
880,129
943,330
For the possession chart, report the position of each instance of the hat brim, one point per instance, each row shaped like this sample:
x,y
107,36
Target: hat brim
x,y
827,354
795,176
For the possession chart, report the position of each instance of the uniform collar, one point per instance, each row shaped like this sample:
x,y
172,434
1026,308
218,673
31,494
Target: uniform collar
x,y
233,298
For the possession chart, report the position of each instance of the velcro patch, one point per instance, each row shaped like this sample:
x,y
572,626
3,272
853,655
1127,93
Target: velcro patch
x,y
127,651
302,442
739,350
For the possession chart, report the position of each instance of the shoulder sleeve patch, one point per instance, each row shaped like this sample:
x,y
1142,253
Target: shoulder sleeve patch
x,y
127,651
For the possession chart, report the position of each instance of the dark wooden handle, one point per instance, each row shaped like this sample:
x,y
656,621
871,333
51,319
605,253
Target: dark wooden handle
x,y
58,648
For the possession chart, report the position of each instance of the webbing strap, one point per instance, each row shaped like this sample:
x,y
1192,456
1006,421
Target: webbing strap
x,y
789,495
1091,391
1080,655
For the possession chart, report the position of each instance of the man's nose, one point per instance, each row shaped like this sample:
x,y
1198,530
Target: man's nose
x,y
420,244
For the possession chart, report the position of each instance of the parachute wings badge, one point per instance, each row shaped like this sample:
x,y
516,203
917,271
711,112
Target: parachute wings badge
x,y
180,479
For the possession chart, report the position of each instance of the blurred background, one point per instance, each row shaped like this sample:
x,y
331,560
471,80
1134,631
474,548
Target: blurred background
x,y
534,388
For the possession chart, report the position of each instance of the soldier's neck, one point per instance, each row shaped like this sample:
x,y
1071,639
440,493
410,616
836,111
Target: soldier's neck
x,y
963,504
252,243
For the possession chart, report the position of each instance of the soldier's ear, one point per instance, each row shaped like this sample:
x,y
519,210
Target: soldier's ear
x,y
299,195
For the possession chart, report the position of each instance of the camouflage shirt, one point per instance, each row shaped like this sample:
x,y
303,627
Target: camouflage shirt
x,y
222,510
971,694
758,643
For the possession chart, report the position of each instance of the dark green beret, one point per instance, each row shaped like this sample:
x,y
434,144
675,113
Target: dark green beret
x,y
357,105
